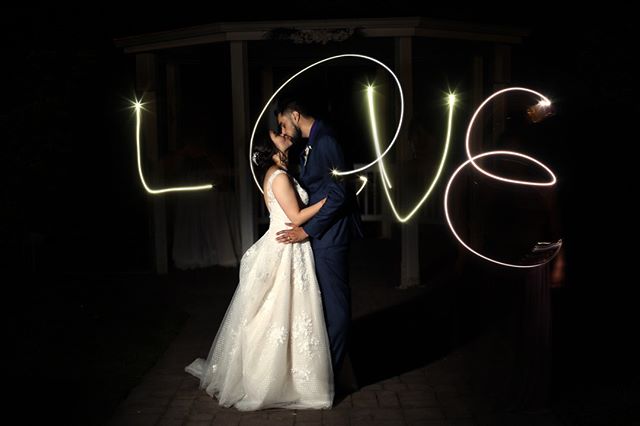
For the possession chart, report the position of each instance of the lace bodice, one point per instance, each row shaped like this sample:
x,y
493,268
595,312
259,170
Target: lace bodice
x,y
276,214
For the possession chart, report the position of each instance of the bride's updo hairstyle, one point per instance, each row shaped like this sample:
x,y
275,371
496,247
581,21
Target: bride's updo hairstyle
x,y
262,156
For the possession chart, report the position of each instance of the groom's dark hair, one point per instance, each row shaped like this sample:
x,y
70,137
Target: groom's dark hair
x,y
285,105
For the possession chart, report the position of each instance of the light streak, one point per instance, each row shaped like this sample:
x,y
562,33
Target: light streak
x,y
347,55
138,106
383,172
364,183
556,246
543,102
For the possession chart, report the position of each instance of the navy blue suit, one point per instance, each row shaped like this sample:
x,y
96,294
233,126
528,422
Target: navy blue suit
x,y
331,231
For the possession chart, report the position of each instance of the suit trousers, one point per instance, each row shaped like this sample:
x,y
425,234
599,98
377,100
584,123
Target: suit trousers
x,y
332,271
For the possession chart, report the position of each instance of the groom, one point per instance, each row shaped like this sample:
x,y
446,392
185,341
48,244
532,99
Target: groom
x,y
332,228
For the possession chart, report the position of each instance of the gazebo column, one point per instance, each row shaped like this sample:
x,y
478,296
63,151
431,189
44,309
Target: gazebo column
x,y
173,102
409,240
501,79
245,193
385,85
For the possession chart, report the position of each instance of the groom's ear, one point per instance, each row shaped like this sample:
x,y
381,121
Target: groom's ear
x,y
295,116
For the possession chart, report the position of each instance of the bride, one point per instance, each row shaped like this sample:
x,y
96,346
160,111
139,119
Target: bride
x,y
272,348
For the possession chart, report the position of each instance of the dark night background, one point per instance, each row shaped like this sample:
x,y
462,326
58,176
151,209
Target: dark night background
x,y
71,190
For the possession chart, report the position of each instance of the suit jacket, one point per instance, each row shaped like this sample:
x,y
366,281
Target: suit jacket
x,y
338,221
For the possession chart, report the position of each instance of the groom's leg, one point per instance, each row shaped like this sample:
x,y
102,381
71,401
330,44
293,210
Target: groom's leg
x,y
333,277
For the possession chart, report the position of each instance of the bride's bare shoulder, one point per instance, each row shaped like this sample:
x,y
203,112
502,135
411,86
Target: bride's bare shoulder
x,y
270,171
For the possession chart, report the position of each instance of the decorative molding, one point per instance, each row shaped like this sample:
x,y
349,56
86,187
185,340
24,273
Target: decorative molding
x,y
319,31
310,36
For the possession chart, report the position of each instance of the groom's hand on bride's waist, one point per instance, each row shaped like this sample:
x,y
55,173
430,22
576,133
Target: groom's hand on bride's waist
x,y
290,236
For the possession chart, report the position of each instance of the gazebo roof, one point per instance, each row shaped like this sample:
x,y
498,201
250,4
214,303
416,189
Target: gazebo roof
x,y
371,27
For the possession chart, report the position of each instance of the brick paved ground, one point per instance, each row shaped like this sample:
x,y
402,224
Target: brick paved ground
x,y
458,383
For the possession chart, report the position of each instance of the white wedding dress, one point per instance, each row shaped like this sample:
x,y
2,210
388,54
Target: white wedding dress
x,y
272,348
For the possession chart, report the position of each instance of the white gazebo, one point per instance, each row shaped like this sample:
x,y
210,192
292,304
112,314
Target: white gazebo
x,y
485,50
